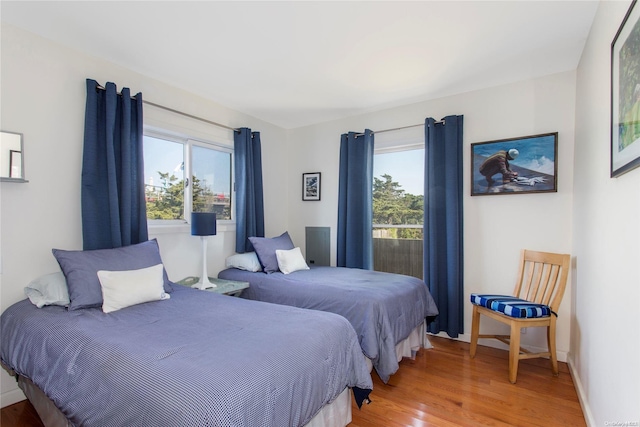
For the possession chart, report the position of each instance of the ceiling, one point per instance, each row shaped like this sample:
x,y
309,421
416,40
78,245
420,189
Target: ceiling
x,y
298,63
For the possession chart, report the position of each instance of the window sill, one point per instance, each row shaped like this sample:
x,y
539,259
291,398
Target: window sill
x,y
184,228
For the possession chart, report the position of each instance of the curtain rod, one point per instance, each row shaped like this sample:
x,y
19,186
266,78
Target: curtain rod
x,y
400,128
191,116
181,113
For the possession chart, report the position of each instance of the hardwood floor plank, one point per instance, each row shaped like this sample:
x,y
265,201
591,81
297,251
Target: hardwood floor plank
x,y
444,387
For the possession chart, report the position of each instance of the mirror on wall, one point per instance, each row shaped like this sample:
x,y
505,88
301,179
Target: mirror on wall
x,y
11,157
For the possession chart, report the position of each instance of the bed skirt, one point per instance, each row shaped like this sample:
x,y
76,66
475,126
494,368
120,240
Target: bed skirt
x,y
48,412
408,347
335,414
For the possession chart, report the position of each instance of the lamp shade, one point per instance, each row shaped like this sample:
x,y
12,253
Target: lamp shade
x,y
203,224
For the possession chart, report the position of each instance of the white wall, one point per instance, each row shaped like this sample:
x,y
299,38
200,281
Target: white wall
x,y
605,348
495,228
43,96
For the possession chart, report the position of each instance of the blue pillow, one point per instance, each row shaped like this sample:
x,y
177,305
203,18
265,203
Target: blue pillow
x,y
266,250
81,269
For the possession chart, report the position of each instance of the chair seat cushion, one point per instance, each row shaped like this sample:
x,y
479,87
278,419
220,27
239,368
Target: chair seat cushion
x,y
511,306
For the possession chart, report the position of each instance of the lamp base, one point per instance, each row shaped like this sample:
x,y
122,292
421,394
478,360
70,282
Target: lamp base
x,y
204,284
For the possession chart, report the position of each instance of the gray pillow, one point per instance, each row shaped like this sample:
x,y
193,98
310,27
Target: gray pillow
x,y
50,289
81,269
266,250
247,261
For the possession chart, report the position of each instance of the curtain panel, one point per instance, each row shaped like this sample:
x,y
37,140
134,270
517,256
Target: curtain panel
x,y
443,222
249,192
355,201
112,189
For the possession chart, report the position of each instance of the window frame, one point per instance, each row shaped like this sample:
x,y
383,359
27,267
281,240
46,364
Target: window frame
x,y
221,148
188,141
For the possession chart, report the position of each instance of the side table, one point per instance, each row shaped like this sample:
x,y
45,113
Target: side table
x,y
225,287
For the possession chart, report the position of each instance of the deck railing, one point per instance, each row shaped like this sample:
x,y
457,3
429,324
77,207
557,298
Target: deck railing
x,y
402,256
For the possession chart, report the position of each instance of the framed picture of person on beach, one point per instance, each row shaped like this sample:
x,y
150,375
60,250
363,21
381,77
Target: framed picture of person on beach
x,y
521,165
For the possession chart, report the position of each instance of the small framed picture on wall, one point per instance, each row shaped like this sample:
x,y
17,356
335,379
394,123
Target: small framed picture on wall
x,y
311,186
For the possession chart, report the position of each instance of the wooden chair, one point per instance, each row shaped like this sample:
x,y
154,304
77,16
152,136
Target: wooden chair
x,y
540,285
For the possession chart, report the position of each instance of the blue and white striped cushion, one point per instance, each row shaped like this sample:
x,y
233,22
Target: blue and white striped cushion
x,y
511,306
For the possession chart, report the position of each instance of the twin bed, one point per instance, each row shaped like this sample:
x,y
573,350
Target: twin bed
x,y
194,358
179,356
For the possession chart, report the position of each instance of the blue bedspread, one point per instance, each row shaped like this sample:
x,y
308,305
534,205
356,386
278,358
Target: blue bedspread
x,y
197,359
382,307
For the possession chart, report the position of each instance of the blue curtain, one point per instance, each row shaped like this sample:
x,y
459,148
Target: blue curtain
x,y
443,237
355,201
249,194
112,195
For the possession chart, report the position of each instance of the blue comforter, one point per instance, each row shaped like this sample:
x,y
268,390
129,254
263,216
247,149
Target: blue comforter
x,y
382,307
197,359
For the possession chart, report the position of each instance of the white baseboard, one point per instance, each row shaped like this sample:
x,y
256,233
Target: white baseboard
x,y
582,397
562,355
12,396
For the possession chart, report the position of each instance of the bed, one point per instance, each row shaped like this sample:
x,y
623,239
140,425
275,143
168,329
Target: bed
x,y
189,358
388,311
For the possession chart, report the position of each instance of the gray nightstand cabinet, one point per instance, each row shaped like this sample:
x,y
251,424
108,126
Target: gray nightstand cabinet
x,y
225,287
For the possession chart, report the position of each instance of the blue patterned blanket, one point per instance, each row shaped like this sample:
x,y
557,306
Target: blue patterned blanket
x,y
197,359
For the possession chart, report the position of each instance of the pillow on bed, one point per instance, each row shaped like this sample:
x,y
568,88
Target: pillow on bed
x,y
122,289
266,250
50,289
291,260
80,269
247,261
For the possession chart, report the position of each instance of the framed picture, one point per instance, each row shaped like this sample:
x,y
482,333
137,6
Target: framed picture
x,y
527,164
625,94
311,186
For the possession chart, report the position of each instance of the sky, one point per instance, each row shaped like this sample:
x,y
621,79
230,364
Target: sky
x,y
166,156
161,156
405,167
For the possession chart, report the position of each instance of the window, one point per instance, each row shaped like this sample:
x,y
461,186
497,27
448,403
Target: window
x,y
398,210
170,194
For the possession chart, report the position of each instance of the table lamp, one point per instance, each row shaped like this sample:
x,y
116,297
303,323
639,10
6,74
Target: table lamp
x,y
203,224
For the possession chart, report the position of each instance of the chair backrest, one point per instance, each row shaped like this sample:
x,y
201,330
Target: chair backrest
x,y
542,277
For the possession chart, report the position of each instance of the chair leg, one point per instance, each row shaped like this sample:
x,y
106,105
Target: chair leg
x,y
514,352
551,342
475,331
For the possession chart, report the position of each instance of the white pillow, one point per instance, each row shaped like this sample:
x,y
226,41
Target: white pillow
x,y
247,261
50,289
290,260
122,289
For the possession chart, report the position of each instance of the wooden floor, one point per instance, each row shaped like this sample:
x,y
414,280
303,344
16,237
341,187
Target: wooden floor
x,y
443,386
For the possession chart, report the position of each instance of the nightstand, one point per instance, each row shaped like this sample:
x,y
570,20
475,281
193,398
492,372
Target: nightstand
x,y
225,287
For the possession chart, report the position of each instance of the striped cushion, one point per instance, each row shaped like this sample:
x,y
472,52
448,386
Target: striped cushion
x,y
511,306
